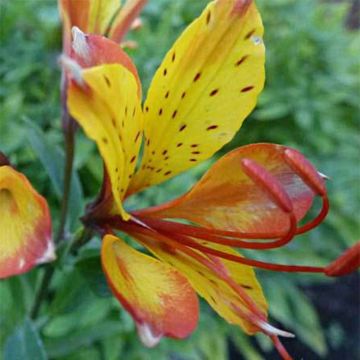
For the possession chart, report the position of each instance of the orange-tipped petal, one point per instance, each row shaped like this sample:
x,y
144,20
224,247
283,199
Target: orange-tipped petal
x,y
25,236
91,50
228,287
158,297
206,86
125,19
231,197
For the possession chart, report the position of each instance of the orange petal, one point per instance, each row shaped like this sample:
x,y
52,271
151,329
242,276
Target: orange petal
x,y
125,19
92,16
223,284
91,50
25,236
206,86
160,299
227,198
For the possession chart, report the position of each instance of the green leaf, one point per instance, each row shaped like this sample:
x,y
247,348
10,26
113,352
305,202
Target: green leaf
x,y
24,344
53,159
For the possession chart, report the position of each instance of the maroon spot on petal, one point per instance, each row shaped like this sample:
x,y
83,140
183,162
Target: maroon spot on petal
x,y
108,83
148,142
113,122
116,169
182,127
208,18
194,145
137,136
133,159
160,111
158,170
167,173
166,158
214,92
167,94
240,61
105,140
179,145
174,114
249,34
173,57
193,160
197,77
212,127
153,152
247,88
146,108
165,72
183,94
164,152
196,152
248,287
134,112
126,110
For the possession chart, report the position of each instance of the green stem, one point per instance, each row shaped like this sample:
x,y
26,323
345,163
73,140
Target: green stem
x,y
79,240
69,161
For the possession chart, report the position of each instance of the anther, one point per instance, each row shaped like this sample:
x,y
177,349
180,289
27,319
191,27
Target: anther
x,y
268,183
346,263
305,170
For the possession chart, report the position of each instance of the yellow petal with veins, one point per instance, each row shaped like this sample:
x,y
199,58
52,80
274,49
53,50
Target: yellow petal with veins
x,y
25,235
108,109
204,89
216,282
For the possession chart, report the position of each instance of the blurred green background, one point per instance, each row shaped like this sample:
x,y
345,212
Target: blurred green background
x,y
311,102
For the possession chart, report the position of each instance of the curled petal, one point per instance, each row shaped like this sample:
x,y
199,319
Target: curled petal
x,y
91,50
158,297
250,189
25,236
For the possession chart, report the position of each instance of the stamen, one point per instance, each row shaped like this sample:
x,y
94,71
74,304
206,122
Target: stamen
x,y
211,235
280,348
245,261
318,220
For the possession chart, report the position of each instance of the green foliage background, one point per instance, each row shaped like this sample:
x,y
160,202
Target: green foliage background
x,y
311,102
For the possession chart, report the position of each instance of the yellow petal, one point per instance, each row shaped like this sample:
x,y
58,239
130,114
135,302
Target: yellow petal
x,y
109,111
207,283
206,86
25,235
158,297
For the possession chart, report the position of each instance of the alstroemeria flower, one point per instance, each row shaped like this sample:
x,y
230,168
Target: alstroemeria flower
x,y
253,198
25,236
102,17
